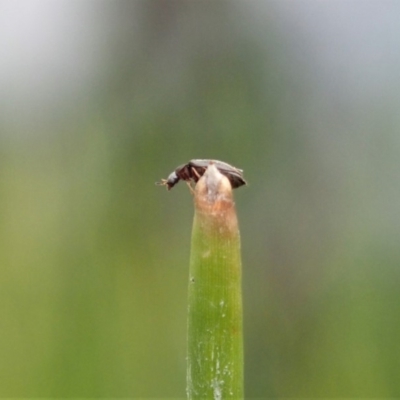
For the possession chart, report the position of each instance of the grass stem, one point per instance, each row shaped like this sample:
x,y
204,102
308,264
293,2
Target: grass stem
x,y
215,334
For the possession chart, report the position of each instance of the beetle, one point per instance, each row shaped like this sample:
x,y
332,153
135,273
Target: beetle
x,y
194,170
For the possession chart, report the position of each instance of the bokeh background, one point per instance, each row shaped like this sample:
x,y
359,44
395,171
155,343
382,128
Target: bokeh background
x,y
99,99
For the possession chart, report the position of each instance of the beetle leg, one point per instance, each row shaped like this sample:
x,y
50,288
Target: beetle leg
x,y
196,173
190,187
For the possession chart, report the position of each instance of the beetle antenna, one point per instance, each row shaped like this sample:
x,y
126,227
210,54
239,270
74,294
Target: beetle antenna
x,y
162,183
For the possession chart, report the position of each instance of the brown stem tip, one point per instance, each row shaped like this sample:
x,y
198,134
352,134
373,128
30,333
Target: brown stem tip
x,y
213,186
213,197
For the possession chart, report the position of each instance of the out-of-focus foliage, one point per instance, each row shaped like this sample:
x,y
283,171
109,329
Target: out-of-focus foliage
x,y
99,99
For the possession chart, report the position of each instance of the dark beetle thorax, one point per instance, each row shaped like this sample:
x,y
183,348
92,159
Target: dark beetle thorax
x,y
184,172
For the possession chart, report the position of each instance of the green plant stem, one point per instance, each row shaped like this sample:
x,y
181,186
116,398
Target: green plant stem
x,y
215,334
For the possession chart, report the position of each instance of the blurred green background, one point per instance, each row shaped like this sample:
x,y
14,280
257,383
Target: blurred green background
x,y
100,99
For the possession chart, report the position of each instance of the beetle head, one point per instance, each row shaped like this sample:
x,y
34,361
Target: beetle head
x,y
170,182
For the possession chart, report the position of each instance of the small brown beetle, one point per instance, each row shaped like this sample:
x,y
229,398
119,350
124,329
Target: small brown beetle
x,y
194,170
